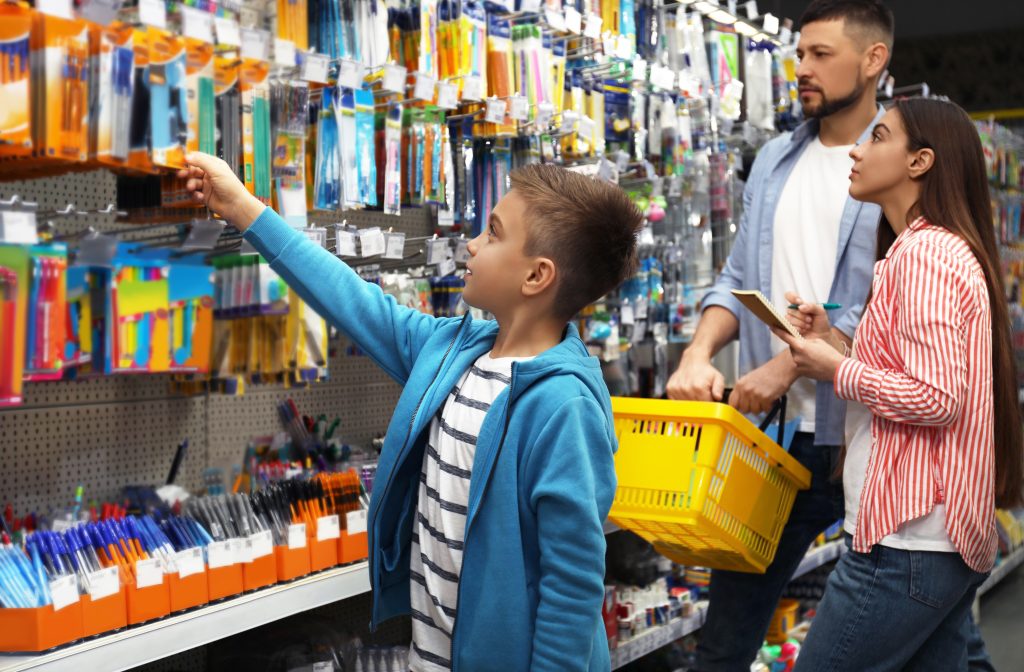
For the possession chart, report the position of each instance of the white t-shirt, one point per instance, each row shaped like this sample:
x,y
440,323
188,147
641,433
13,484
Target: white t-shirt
x,y
805,242
927,533
439,530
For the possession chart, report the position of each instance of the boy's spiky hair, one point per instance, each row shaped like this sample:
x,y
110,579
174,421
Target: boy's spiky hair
x,y
587,227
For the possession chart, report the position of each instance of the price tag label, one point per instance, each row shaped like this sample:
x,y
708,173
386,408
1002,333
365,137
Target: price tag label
x,y
573,21
641,309
529,6
197,24
316,68
437,251
228,33
242,549
394,246
496,110
520,108
545,111
59,8
623,48
675,187
100,11
61,524
445,218
18,227
555,19
424,87
220,554
345,243
371,242
771,24
297,536
316,234
472,88
593,29
64,591
189,562
350,74
355,521
569,119
462,251
256,44
262,544
446,268
587,128
639,70
148,573
104,583
284,52
328,527
394,78
627,315
153,13
662,77
447,95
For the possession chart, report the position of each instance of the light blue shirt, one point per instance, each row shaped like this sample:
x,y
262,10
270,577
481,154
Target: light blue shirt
x,y
750,264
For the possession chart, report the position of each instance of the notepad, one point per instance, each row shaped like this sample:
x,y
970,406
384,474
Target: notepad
x,y
760,306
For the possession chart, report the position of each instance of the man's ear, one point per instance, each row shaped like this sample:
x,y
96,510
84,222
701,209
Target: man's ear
x,y
921,162
541,277
877,58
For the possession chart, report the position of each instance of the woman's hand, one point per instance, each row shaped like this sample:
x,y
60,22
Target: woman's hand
x,y
212,183
810,319
814,357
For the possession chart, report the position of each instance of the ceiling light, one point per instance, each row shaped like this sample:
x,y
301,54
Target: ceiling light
x,y
722,16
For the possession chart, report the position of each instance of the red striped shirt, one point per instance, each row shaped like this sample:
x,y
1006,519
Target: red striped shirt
x,y
923,364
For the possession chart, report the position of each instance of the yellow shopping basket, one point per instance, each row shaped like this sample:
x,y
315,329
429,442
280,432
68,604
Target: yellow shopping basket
x,y
702,483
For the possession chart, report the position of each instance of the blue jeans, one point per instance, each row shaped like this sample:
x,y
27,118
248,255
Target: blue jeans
x,y
892,610
741,605
978,659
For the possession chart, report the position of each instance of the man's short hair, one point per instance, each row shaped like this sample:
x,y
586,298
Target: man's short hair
x,y
587,227
870,18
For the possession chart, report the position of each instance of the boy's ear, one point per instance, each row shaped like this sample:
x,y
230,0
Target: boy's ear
x,y
541,277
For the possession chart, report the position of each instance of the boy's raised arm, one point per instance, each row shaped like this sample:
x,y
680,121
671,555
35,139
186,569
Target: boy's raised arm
x,y
390,334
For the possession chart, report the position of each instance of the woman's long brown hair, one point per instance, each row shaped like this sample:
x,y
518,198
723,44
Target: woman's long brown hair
x,y
955,195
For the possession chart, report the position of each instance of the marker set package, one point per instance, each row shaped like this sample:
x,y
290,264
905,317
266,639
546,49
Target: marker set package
x,y
256,141
289,111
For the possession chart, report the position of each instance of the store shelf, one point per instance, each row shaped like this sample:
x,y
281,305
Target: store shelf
x,y
655,638
816,557
137,646
1012,562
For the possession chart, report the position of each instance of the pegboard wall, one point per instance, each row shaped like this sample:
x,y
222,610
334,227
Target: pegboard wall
x,y
108,432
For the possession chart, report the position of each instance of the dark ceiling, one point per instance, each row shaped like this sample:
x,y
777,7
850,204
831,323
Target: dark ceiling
x,y
925,18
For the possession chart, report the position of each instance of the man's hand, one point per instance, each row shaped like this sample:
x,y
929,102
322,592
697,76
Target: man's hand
x,y
696,380
215,185
762,387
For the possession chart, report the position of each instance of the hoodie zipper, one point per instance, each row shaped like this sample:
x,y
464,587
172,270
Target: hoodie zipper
x,y
469,522
412,421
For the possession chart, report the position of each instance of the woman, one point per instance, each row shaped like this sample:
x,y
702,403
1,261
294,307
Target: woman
x,y
934,436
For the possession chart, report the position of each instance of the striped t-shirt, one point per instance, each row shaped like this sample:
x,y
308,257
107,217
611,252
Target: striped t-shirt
x,y
439,529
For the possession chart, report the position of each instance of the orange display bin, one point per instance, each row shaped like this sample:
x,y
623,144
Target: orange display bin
x,y
225,581
192,591
40,628
352,547
291,562
147,604
323,554
259,573
104,615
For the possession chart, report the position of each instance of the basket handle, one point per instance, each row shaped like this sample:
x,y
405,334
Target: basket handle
x,y
778,409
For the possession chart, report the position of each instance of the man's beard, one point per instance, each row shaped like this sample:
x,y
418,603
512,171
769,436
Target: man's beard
x,y
828,107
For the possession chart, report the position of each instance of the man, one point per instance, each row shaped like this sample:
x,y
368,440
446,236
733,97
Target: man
x,y
800,233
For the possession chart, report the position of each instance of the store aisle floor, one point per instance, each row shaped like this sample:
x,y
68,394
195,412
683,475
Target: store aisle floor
x,y
1001,611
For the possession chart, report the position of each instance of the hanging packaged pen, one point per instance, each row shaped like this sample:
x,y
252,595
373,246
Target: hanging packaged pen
x,y
168,99
293,22
473,44
228,102
345,111
16,82
289,114
139,157
428,47
365,146
501,68
44,356
393,163
115,81
14,291
327,181
61,114
82,284
256,140
558,74
199,83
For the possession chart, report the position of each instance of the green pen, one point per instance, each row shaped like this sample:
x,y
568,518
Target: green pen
x,y
826,306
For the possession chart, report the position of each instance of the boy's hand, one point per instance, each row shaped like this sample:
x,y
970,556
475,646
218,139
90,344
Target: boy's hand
x,y
214,184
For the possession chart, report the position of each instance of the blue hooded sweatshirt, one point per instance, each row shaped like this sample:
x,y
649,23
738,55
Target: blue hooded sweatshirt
x,y
532,581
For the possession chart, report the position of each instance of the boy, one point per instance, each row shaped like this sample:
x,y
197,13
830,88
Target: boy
x,y
497,472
